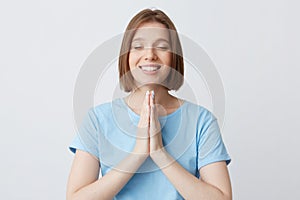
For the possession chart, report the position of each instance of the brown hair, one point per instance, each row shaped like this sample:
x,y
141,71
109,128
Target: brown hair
x,y
175,77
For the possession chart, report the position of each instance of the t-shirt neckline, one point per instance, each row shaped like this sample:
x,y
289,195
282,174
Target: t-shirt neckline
x,y
160,117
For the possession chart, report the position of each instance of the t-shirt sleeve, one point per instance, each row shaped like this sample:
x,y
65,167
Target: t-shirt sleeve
x,y
210,145
87,136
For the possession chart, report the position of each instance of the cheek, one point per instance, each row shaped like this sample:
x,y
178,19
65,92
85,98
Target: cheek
x,y
167,59
132,59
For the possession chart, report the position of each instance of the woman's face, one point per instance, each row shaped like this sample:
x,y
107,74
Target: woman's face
x,y
150,54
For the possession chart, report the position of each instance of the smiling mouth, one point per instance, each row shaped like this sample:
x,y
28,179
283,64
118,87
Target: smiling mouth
x,y
150,68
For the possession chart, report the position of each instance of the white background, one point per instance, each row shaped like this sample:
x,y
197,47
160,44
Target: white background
x,y
254,45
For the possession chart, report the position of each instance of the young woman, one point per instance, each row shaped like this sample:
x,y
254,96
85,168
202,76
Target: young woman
x,y
150,144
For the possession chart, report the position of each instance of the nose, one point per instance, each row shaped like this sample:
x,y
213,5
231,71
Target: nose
x,y
150,54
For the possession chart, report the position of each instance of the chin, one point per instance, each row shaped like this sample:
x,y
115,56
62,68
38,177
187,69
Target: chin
x,y
149,84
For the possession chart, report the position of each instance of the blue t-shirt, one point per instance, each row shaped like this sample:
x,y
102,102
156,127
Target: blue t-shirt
x,y
190,135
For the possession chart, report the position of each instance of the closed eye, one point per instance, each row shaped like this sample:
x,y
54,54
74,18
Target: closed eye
x,y
162,45
137,47
164,48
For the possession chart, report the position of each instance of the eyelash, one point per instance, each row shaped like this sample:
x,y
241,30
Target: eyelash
x,y
164,48
137,47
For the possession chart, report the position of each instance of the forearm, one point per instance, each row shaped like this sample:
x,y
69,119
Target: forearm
x,y
109,185
189,186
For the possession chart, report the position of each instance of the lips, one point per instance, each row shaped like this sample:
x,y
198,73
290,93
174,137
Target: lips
x,y
150,68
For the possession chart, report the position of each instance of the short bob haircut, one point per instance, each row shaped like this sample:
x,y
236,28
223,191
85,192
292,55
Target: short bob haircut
x,y
175,78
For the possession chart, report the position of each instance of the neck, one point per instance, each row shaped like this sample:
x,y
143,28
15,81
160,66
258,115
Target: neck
x,y
136,98
165,102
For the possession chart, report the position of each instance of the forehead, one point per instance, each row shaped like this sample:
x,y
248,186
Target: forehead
x,y
151,31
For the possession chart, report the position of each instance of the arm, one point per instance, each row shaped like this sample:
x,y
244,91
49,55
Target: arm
x,y
83,181
213,184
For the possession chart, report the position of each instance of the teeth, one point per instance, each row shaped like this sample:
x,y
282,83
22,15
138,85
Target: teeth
x,y
149,68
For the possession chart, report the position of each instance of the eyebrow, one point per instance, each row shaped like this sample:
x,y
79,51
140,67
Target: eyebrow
x,y
158,40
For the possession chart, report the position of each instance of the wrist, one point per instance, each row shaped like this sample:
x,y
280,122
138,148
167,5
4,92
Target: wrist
x,y
161,158
139,152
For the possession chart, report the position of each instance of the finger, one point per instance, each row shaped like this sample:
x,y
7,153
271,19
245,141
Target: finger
x,y
148,107
154,122
152,104
152,98
145,107
146,100
145,112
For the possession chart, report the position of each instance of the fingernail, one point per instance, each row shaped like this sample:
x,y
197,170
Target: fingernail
x,y
152,94
147,93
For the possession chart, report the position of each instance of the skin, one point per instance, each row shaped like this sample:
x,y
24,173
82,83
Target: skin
x,y
151,46
83,181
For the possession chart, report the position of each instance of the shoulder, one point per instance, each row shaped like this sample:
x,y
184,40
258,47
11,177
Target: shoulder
x,y
107,110
107,107
199,115
200,111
